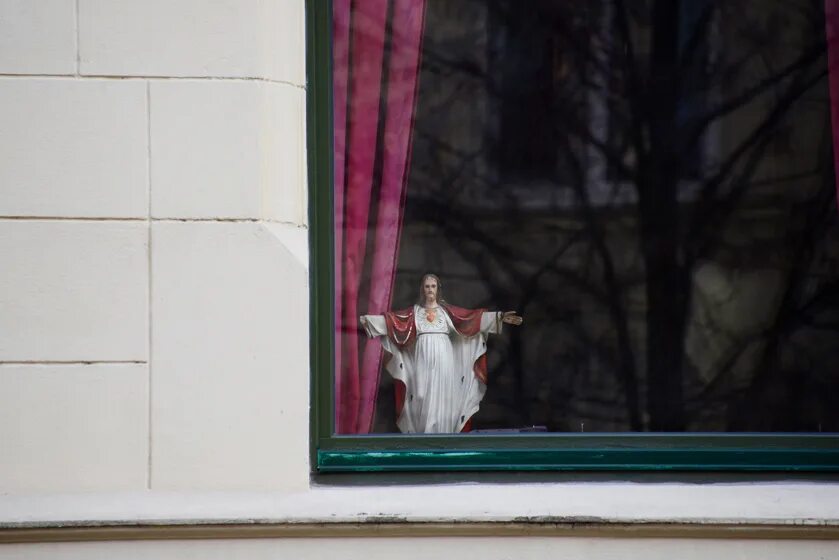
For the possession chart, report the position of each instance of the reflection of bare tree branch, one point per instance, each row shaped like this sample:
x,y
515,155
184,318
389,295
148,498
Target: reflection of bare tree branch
x,y
710,212
801,64
461,226
638,114
792,311
614,299
698,35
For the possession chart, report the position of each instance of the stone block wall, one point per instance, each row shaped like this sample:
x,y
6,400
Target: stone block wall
x,y
153,274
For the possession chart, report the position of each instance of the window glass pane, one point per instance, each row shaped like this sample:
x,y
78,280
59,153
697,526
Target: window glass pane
x,y
649,185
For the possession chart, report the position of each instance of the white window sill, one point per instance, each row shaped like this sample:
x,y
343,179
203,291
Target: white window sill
x,y
765,503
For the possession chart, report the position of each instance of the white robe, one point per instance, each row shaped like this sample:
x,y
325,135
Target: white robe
x,y
442,391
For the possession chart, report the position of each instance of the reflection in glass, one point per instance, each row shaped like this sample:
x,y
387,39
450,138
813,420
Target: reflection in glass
x,y
650,184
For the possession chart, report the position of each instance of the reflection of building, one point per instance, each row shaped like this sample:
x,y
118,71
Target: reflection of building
x,y
153,340
526,179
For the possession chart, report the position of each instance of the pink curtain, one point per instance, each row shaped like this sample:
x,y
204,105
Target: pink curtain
x,y
376,54
831,9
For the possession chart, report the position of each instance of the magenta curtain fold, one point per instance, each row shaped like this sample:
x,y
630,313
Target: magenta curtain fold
x,y
831,10
376,53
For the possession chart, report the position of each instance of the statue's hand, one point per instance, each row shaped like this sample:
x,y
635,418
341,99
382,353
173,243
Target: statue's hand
x,y
511,318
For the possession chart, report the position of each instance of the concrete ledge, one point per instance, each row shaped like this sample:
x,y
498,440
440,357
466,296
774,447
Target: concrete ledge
x,y
769,505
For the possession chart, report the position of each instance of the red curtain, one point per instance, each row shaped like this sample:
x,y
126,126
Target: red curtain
x,y
831,10
376,54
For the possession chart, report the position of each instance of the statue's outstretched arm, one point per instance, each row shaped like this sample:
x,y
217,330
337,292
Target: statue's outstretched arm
x,y
373,325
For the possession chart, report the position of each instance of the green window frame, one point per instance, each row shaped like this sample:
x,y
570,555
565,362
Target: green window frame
x,y
332,453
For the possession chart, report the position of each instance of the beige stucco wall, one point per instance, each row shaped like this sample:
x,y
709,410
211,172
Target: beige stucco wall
x,y
467,548
154,299
153,231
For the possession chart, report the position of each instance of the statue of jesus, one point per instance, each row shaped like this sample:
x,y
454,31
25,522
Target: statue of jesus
x,y
438,359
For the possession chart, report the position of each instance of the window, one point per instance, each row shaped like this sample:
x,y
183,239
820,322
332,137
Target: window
x,y
649,185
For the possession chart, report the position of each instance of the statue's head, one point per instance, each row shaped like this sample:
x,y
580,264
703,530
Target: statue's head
x,y
431,290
